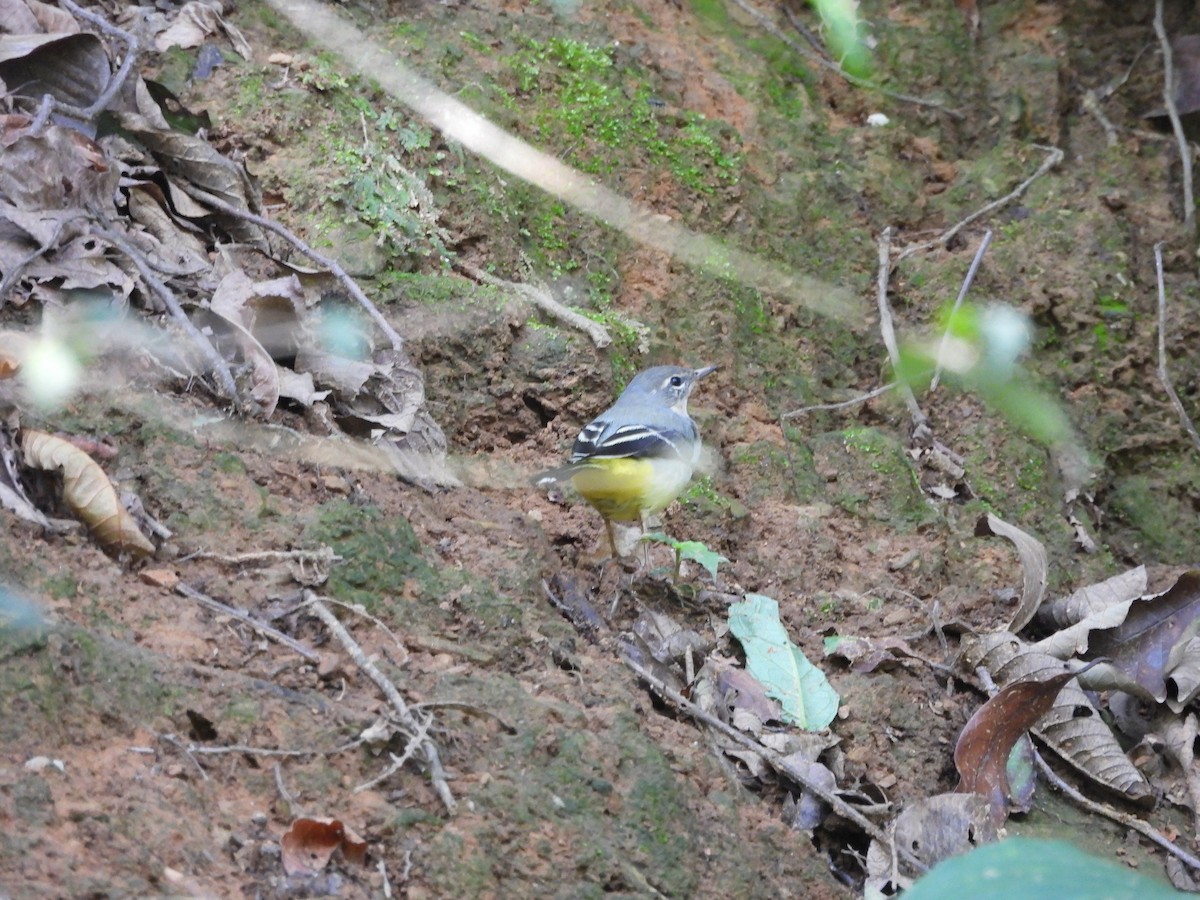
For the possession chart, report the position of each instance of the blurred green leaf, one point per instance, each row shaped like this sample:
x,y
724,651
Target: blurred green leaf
x,y
1034,870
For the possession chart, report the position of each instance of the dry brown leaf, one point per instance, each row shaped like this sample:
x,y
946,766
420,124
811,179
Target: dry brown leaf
x,y
1089,600
982,750
1034,566
1073,726
72,68
931,829
87,490
310,843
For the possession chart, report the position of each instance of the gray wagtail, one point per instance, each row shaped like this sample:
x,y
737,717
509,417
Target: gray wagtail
x,y
634,458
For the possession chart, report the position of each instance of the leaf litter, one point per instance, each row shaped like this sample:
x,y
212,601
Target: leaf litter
x,y
171,185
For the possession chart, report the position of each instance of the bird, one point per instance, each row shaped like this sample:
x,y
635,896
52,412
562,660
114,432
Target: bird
x,y
634,459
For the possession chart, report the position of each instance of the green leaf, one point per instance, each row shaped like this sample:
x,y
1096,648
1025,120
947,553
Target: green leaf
x,y
1034,870
807,698
698,552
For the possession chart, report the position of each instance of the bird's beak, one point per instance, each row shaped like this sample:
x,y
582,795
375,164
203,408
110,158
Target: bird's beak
x,y
707,370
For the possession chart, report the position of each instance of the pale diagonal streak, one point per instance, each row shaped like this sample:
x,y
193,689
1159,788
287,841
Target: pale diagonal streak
x,y
457,121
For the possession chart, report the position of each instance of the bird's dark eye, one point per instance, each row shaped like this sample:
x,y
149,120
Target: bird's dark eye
x,y
676,381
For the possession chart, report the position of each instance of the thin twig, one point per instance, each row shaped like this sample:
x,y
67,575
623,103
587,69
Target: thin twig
x,y
267,751
377,622
10,277
774,759
283,792
398,762
1054,158
1117,816
1185,155
219,366
170,739
1163,375
115,83
1091,103
266,630
768,25
844,404
541,298
888,329
415,728
320,259
958,302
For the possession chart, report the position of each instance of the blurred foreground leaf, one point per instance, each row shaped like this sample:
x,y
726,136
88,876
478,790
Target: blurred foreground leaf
x,y
1034,870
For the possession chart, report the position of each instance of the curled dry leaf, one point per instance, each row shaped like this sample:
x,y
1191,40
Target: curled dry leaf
x,y
983,747
1034,566
88,491
931,829
1073,726
1089,600
309,844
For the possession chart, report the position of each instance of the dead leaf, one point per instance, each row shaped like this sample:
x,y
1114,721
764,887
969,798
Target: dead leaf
x,y
1089,600
87,490
72,68
931,829
1073,726
982,750
195,22
310,843
1034,566
1141,647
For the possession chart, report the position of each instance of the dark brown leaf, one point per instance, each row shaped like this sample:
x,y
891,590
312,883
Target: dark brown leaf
x,y
1141,645
981,754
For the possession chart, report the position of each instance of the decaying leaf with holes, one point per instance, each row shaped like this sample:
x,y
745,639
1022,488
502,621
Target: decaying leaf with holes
x,y
983,747
88,491
1072,726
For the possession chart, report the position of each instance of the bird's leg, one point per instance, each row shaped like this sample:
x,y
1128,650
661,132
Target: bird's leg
x,y
612,540
645,543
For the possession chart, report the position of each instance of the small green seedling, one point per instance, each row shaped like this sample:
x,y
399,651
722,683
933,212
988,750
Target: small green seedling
x,y
693,550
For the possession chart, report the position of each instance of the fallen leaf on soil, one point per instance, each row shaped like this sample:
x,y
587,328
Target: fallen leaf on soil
x,y
981,753
866,654
309,844
87,490
931,829
808,700
1151,644
1074,608
1073,726
1034,566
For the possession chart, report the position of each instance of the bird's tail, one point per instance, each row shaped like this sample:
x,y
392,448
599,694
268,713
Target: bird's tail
x,y
555,476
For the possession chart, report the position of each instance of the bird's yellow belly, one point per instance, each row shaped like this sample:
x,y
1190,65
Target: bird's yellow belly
x,y
624,490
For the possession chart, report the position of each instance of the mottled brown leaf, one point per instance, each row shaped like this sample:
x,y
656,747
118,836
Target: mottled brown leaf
x,y
310,842
981,753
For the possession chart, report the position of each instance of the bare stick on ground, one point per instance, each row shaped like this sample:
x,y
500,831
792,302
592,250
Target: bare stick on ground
x,y
1163,375
844,404
541,298
219,367
417,730
262,628
1115,815
320,259
118,80
1053,159
773,759
1185,152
